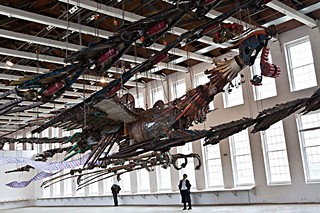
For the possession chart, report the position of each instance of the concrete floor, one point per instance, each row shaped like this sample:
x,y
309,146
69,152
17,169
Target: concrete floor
x,y
293,208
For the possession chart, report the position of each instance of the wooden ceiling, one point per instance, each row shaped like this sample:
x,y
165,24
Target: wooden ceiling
x,y
36,35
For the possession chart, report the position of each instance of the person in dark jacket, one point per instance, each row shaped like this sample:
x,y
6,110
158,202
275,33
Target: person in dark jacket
x,y
115,189
184,187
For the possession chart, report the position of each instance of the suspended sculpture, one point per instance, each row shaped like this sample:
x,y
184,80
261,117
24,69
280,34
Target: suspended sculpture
x,y
98,57
144,137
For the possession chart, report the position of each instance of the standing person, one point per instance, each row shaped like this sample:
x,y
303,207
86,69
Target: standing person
x,y
184,187
115,189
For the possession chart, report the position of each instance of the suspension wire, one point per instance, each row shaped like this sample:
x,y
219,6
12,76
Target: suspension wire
x,y
83,76
67,29
38,65
250,100
136,75
190,69
166,93
123,7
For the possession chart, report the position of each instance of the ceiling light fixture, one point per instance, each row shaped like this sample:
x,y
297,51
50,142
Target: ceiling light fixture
x,y
73,9
9,64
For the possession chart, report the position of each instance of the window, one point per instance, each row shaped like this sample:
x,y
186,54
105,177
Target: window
x,y
201,79
29,145
65,133
189,169
241,159
178,88
56,188
68,184
94,187
300,64
143,180
309,132
275,155
45,133
107,183
5,146
213,165
55,132
80,191
46,190
164,179
35,145
125,182
19,146
139,101
156,94
235,97
268,88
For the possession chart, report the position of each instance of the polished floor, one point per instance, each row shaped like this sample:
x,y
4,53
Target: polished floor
x,y
293,208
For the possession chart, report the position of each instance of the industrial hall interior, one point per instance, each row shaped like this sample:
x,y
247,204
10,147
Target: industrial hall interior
x,y
159,106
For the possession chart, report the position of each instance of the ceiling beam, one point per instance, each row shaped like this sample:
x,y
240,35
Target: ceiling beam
x,y
74,47
286,10
50,59
45,20
74,85
32,56
283,19
38,40
33,17
128,16
131,17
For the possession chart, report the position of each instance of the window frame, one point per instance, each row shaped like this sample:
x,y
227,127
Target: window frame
x,y
197,83
260,95
305,162
152,101
235,163
264,140
287,46
226,94
159,179
174,91
206,170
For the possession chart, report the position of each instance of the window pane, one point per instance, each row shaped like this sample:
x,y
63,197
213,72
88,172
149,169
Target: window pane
x,y
268,88
5,146
241,159
201,79
178,88
213,165
139,101
19,146
164,178
143,180
29,145
235,97
56,188
94,187
156,95
80,191
310,144
68,185
300,64
125,182
107,183
275,154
